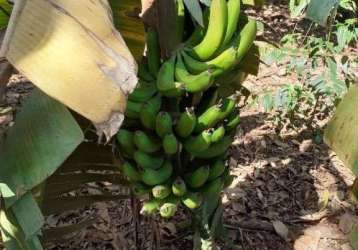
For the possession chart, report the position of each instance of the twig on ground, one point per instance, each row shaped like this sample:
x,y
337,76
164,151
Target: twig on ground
x,y
253,225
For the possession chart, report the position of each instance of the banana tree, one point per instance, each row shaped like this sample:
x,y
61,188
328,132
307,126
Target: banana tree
x,y
342,136
84,73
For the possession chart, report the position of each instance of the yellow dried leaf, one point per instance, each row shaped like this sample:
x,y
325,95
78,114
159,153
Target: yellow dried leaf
x,y
71,51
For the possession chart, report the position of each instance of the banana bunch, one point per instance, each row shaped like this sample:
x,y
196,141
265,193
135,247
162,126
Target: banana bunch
x,y
178,129
195,67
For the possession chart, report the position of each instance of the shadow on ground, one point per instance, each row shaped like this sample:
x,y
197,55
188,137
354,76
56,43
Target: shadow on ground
x,y
281,185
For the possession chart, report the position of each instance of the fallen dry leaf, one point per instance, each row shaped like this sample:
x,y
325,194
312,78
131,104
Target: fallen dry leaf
x,y
347,221
281,229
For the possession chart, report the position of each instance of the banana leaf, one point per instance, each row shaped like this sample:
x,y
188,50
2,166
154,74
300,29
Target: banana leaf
x,y
43,136
341,133
74,54
28,215
13,236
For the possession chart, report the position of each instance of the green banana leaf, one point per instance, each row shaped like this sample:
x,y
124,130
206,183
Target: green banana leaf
x,y
195,10
13,236
44,135
5,11
319,11
126,20
341,133
28,215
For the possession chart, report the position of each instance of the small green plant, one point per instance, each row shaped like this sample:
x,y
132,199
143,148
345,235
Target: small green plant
x,y
321,69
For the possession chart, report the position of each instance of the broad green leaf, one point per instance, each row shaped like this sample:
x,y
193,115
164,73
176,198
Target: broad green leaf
x,y
319,11
297,7
342,131
28,215
44,135
13,236
127,21
206,2
195,10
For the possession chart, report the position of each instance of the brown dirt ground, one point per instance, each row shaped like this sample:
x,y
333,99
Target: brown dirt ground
x,y
289,193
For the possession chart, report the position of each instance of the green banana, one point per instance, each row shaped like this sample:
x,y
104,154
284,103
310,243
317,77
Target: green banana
x,y
149,112
199,142
247,37
215,114
133,109
131,172
215,149
155,102
218,134
228,57
233,121
161,191
125,139
165,80
163,123
153,53
169,207
217,169
146,143
177,91
143,92
140,189
143,71
192,200
234,8
192,83
168,210
150,207
147,161
212,188
215,32
179,187
222,63
155,177
147,116
170,144
186,123
197,178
